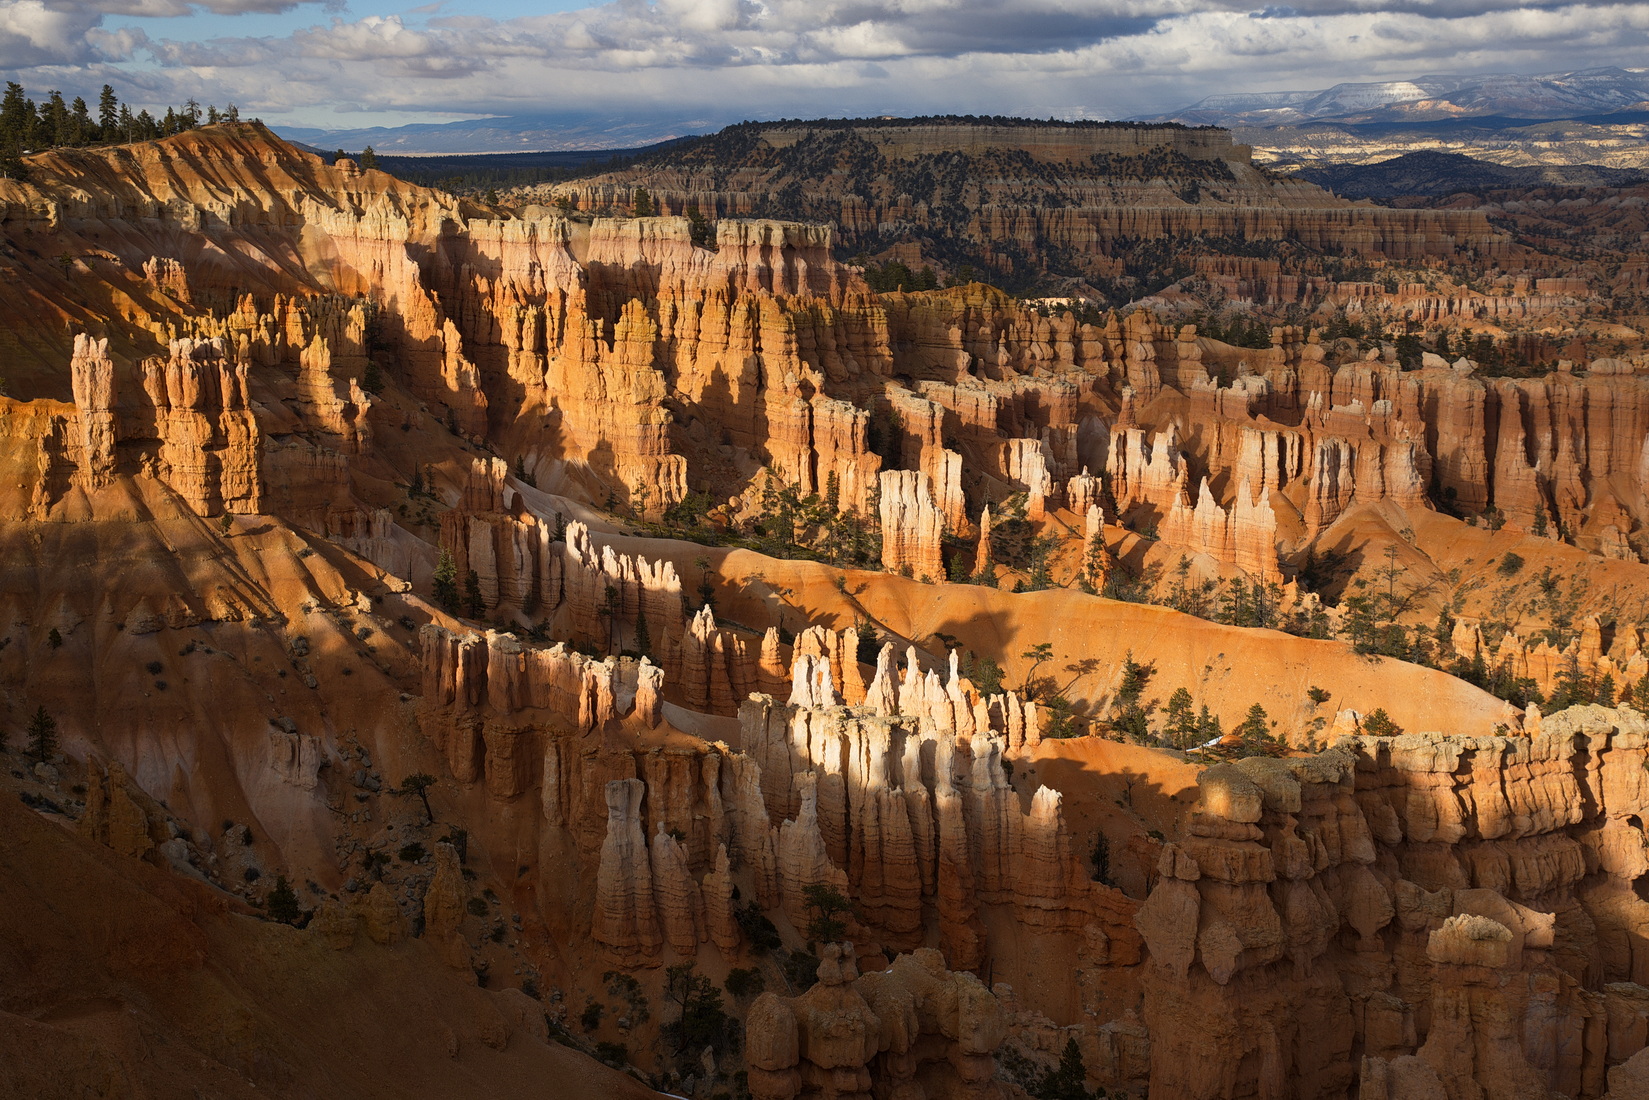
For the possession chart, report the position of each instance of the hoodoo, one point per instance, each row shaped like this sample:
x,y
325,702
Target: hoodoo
x,y
897,608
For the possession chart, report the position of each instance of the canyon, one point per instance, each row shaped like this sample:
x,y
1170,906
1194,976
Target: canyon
x,y
527,645
1016,199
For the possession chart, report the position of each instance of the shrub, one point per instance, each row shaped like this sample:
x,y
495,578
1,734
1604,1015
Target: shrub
x,y
42,735
1379,724
477,907
1509,565
801,970
590,1018
826,902
745,983
412,853
759,932
703,1021
282,903
446,583
985,673
1067,1082
1101,857
626,988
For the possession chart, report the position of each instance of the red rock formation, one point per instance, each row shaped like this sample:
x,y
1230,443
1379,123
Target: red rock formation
x,y
1462,912
195,430
1432,867
625,921
1020,215
852,1033
912,525
92,375
865,804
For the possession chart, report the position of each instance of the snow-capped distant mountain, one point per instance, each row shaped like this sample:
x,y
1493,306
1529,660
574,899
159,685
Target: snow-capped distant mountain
x,y
1543,96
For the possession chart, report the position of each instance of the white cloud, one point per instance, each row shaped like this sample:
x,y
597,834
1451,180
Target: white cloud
x,y
173,8
760,58
36,33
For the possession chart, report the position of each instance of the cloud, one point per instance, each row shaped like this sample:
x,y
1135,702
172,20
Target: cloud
x,y
161,9
39,33
34,33
762,58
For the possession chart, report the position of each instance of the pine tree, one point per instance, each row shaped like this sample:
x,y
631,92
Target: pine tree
x,y
446,583
1639,696
474,605
1379,724
419,783
369,159
16,130
644,637
1573,685
54,119
1181,729
1208,726
1255,730
42,736
282,903
1069,1081
80,123
108,114
1101,856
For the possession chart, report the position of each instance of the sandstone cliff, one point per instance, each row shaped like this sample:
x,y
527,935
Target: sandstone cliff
x,y
1397,901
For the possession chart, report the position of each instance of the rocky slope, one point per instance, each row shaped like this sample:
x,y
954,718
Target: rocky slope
x,y
446,562
1017,200
1437,174
129,980
1612,140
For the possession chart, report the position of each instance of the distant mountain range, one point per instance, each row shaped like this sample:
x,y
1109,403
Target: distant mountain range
x,y
508,134
1433,174
1602,115
1587,117
1585,92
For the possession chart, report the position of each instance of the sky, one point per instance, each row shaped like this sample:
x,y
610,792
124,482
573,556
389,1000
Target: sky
x,y
356,63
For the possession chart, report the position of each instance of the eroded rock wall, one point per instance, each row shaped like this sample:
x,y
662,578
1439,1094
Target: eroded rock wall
x,y
1422,912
